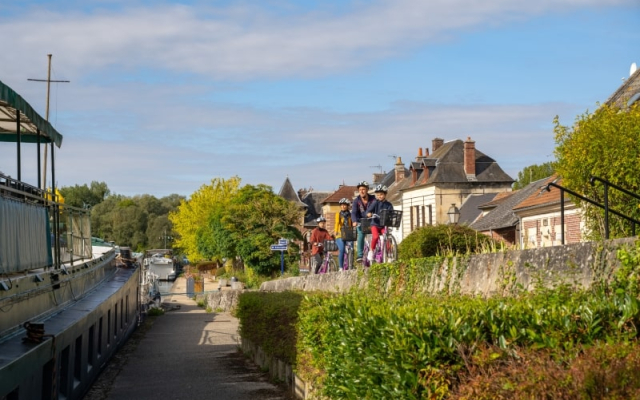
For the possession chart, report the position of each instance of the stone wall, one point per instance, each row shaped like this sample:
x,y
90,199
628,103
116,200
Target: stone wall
x,y
578,264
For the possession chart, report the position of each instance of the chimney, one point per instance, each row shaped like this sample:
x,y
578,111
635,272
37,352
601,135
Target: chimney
x,y
399,170
419,157
470,157
414,176
377,178
426,152
436,144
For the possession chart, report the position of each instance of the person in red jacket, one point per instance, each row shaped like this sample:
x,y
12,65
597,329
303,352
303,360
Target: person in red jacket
x,y
318,236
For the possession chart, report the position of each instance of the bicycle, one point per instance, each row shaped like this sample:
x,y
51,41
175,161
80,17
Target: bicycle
x,y
328,263
349,235
389,219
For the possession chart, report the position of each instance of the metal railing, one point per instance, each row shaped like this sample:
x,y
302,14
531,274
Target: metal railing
x,y
604,206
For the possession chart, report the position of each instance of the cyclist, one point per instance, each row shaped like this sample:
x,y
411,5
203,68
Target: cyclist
x,y
318,236
343,219
359,210
373,211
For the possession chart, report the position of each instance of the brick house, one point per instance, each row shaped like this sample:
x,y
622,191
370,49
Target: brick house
x,y
453,171
331,205
539,216
498,219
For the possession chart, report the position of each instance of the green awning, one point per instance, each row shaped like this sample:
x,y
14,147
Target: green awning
x,y
30,121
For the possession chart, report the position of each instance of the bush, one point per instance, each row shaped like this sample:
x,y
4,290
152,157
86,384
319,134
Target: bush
x,y
444,240
269,321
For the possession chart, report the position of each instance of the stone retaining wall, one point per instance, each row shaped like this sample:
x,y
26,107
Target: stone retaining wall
x,y
487,274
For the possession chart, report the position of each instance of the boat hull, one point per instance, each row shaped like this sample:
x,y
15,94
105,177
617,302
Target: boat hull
x,y
80,337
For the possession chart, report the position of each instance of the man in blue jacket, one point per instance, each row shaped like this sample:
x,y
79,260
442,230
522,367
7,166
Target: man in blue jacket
x,y
358,211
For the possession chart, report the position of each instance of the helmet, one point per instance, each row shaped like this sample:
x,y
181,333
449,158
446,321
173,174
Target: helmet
x,y
381,188
321,219
344,200
363,183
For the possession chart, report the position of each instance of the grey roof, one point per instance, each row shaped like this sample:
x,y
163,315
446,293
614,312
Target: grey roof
x,y
470,210
289,193
314,201
627,92
502,216
450,166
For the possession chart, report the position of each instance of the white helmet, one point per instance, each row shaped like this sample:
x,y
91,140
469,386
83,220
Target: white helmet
x,y
344,200
381,188
321,219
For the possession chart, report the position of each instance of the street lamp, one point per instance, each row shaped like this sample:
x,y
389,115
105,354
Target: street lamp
x,y
454,214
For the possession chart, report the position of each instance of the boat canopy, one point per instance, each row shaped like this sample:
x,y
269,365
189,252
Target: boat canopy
x,y
31,124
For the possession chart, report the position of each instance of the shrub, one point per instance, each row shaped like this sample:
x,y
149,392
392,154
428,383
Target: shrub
x,y
443,240
269,321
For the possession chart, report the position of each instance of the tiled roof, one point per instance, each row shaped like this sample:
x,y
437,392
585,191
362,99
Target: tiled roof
x,y
499,198
502,216
288,193
626,91
349,192
543,197
470,210
446,165
314,202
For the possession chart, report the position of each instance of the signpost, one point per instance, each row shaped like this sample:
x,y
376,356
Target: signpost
x,y
282,246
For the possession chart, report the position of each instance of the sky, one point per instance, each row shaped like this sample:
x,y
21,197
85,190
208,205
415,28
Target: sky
x,y
164,96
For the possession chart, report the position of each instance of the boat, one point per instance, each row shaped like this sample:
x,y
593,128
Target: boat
x,y
161,264
66,305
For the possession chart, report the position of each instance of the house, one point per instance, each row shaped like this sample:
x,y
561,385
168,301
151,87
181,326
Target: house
x,y
629,92
435,182
540,219
498,219
331,205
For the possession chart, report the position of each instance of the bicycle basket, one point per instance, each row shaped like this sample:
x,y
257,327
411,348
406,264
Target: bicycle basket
x,y
390,218
349,233
330,245
365,224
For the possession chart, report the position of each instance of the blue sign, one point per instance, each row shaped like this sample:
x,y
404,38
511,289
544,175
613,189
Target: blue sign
x,y
283,242
279,247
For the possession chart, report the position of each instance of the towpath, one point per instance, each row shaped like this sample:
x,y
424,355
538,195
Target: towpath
x,y
185,354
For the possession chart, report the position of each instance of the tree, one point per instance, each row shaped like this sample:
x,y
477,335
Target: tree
x,y
85,196
604,144
192,215
259,218
533,173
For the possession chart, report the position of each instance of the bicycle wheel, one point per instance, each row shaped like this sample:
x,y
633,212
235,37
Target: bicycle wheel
x,y
333,266
390,249
365,251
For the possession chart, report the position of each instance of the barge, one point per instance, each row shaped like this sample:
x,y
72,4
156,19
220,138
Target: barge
x,y
65,307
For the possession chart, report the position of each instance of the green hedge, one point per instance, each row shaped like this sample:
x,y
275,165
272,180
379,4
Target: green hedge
x,y
363,346
269,321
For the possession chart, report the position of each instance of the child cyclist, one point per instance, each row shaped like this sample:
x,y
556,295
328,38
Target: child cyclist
x,y
375,207
318,236
343,220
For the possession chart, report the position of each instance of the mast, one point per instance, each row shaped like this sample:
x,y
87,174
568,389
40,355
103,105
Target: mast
x,y
48,80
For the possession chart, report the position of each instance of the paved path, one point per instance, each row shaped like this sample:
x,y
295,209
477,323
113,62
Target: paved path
x,y
190,354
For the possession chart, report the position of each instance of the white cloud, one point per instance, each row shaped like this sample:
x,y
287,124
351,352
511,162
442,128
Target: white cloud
x,y
249,42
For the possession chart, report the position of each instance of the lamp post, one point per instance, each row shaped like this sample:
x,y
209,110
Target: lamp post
x,y
454,214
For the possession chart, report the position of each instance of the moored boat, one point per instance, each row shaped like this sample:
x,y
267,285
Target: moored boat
x,y
65,306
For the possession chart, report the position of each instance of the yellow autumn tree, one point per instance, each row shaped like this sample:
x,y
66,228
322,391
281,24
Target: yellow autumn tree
x,y
193,214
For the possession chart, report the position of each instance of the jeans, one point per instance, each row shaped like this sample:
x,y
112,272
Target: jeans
x,y
340,244
360,241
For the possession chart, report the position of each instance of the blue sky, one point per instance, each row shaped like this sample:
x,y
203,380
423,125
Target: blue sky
x,y
165,96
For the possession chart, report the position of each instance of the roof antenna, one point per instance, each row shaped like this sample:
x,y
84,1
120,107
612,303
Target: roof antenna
x,y
376,166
